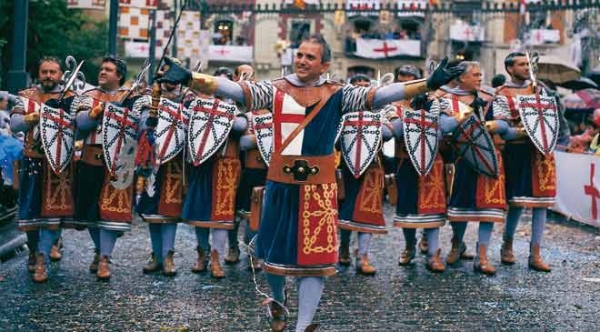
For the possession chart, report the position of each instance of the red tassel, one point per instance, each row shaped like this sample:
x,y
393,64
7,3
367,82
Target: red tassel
x,y
145,155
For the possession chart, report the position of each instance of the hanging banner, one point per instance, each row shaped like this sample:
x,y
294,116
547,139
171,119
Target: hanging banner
x,y
86,4
466,32
134,23
578,192
380,49
189,41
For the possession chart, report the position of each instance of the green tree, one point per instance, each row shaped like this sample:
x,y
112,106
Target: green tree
x,y
55,30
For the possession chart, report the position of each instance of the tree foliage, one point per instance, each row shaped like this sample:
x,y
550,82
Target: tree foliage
x,y
55,30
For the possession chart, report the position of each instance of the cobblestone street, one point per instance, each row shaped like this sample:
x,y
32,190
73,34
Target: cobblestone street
x,y
396,299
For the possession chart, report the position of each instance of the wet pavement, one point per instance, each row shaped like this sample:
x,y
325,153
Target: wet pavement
x,y
396,298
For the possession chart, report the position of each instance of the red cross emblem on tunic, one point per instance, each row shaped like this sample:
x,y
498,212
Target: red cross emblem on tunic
x,y
279,117
385,49
593,192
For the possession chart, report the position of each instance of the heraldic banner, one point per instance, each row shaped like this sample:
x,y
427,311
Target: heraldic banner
x,y
578,195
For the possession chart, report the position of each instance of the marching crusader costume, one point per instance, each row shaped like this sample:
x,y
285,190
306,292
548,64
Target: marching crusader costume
x,y
297,234
45,179
529,162
213,143
361,210
105,173
420,178
251,189
161,194
478,190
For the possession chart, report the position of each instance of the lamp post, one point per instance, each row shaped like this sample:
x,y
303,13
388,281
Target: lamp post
x,y
112,27
17,77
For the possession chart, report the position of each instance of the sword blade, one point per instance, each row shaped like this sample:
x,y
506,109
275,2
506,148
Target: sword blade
x,y
71,80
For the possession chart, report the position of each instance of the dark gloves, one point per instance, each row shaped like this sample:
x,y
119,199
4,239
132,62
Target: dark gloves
x,y
442,75
478,103
152,122
420,102
174,73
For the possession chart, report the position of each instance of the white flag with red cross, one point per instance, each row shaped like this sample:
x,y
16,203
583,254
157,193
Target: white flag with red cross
x,y
578,187
380,49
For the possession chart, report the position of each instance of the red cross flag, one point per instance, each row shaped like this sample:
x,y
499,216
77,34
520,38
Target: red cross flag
x,y
543,36
380,49
578,187
465,32
86,4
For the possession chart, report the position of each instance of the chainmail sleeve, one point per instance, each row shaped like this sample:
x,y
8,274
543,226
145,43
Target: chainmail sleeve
x,y
500,108
258,95
357,98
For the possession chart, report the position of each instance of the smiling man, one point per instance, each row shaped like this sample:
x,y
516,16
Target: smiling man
x,y
297,233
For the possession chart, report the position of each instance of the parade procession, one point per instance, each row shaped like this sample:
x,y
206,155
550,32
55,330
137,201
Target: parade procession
x,y
193,165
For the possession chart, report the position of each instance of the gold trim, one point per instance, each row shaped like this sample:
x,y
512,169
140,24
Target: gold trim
x,y
413,88
203,83
415,225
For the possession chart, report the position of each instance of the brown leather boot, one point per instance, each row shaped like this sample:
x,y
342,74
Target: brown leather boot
x,y
200,265
458,252
233,256
169,265
506,253
535,260
31,262
278,316
95,262
434,263
364,267
344,258
153,265
216,271
40,275
313,328
55,253
407,255
481,263
103,268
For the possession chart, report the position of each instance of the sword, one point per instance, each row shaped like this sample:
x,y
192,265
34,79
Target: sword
x,y
138,81
531,72
72,78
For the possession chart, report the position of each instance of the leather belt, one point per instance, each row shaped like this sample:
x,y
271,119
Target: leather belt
x,y
92,155
254,160
302,169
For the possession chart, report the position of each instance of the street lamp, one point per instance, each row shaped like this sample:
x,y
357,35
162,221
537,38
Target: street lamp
x,y
17,76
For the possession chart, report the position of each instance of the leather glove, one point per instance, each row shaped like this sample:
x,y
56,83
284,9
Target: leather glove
x,y
478,103
174,73
152,121
419,102
442,75
32,118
